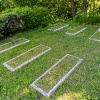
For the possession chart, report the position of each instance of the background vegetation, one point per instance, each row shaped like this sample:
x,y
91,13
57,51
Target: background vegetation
x,y
24,14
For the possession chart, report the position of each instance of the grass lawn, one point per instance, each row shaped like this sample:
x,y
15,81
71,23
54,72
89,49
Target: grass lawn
x,y
96,36
75,30
26,56
54,75
58,27
14,43
84,83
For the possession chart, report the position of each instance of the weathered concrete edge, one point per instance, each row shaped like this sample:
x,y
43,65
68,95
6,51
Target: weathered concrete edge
x,y
58,28
77,31
93,38
28,61
14,46
48,94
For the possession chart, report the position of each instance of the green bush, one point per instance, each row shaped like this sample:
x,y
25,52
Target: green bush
x,y
32,18
81,18
9,23
93,17
27,17
89,18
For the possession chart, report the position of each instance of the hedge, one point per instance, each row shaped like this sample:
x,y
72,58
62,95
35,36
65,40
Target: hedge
x,y
23,18
88,18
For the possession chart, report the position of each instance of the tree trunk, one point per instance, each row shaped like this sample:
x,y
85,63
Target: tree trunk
x,y
85,5
93,5
73,8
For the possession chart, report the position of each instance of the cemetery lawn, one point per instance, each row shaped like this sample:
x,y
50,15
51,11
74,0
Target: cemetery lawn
x,y
56,26
57,73
12,43
96,36
84,83
27,56
76,29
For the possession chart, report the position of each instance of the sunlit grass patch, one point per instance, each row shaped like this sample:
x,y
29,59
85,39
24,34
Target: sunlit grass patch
x,y
12,44
26,57
48,82
71,96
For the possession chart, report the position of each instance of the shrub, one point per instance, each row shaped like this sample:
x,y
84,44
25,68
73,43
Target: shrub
x,y
93,17
6,4
89,18
81,18
42,16
27,17
8,23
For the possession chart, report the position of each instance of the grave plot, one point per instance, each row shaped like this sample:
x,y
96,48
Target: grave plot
x,y
95,36
26,57
13,44
58,27
68,28
76,30
49,81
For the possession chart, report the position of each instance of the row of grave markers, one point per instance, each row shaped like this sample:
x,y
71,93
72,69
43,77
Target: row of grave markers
x,y
15,43
11,67
14,64
82,28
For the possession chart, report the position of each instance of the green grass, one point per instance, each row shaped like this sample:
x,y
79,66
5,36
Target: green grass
x,y
96,36
29,55
55,26
12,43
69,28
75,29
53,76
84,83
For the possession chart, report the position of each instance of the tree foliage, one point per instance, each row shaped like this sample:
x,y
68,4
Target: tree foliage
x,y
30,3
22,18
5,4
60,8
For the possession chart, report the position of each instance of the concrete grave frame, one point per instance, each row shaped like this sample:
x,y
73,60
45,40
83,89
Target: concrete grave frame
x,y
77,31
14,45
94,38
48,94
58,29
28,61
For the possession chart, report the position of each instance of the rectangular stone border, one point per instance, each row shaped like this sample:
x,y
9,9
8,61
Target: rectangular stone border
x,y
48,94
14,45
28,61
50,29
93,38
77,31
